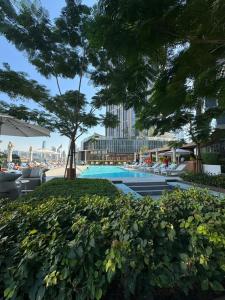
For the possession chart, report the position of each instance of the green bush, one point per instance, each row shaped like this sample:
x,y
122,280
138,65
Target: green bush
x,y
73,188
112,248
205,179
210,158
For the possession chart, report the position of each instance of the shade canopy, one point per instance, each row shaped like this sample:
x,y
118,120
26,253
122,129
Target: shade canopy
x,y
14,127
178,151
45,151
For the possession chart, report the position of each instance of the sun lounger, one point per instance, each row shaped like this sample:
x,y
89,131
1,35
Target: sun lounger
x,y
179,170
169,169
158,169
156,165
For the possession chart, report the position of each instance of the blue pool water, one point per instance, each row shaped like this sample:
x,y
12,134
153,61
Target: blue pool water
x,y
111,172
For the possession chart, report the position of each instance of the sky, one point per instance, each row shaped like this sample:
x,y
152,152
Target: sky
x,y
18,62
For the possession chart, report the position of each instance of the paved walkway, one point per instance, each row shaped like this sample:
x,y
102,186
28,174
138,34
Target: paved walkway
x,y
59,172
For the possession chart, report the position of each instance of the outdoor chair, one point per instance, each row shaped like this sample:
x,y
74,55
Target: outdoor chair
x,y
179,170
133,166
170,168
143,166
8,185
151,169
158,169
35,176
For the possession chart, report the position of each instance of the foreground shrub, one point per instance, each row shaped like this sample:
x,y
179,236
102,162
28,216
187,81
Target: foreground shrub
x,y
205,179
122,248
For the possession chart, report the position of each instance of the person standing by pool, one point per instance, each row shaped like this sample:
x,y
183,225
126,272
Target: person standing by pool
x,y
166,161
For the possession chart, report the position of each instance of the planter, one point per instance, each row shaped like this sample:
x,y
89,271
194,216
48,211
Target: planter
x,y
191,166
212,169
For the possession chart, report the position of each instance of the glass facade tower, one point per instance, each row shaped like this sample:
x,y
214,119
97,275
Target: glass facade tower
x,y
126,128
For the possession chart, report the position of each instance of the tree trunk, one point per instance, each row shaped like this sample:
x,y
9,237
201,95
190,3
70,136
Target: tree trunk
x,y
70,171
75,163
199,168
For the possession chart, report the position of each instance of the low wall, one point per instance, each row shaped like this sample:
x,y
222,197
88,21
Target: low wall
x,y
212,169
191,166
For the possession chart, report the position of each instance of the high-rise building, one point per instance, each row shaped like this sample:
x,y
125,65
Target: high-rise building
x,y
126,128
44,145
220,121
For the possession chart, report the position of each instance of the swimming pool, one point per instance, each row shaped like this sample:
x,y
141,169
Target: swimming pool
x,y
111,172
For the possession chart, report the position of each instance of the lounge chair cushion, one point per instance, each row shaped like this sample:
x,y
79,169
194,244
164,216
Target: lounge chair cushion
x,y
8,177
26,172
8,187
35,173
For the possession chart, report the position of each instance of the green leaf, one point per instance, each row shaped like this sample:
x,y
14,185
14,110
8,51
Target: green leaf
x,y
135,226
9,293
208,251
217,286
171,234
205,285
40,293
98,294
92,242
163,224
201,229
203,260
184,257
109,264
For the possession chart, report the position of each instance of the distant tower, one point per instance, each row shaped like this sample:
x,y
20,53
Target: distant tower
x,y
44,145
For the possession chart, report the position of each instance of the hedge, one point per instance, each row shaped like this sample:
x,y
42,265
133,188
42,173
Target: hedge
x,y
205,179
73,188
113,248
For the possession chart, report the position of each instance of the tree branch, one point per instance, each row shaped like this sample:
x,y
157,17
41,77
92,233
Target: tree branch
x,y
79,135
57,80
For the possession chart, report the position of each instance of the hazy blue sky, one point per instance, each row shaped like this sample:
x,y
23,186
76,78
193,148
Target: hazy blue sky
x,y
18,61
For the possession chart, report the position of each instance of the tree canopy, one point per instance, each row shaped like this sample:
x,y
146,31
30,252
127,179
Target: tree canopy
x,y
18,85
163,56
58,49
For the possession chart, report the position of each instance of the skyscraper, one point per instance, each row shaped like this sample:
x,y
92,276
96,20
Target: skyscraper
x,y
126,127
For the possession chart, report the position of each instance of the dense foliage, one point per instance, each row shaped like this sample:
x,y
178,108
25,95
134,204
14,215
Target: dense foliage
x,y
165,59
56,247
210,158
58,49
74,189
205,179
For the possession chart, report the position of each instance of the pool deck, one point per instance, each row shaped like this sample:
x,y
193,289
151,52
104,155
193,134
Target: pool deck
x,y
120,183
59,172
151,178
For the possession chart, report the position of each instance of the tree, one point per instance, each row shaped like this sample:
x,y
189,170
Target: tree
x,y
18,85
69,115
173,52
186,37
58,49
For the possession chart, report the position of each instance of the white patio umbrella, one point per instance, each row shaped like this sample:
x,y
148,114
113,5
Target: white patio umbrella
x,y
10,152
178,152
14,127
30,154
174,159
